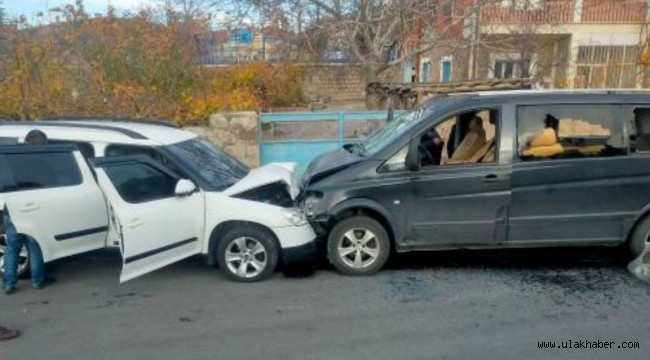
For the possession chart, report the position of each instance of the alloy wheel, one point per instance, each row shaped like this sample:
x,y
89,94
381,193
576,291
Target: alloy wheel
x,y
246,257
358,248
23,258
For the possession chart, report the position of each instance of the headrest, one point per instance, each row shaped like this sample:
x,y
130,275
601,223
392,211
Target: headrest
x,y
476,124
546,137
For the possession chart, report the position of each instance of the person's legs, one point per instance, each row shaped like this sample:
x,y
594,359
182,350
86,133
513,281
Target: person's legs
x,y
37,266
11,255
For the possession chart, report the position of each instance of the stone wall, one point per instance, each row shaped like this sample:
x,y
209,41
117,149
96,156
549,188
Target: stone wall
x,y
236,133
338,82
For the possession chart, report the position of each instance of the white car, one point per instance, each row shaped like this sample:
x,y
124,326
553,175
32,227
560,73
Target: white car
x,y
160,193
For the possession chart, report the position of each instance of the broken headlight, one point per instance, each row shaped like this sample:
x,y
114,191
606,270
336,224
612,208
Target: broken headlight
x,y
295,216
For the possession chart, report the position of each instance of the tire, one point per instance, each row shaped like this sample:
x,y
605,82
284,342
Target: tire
x,y
23,264
243,265
640,239
358,246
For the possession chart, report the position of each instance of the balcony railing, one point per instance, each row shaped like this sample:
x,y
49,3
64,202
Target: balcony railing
x,y
563,11
551,11
613,11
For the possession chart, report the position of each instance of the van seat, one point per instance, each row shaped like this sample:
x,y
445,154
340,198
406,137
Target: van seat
x,y
544,145
472,143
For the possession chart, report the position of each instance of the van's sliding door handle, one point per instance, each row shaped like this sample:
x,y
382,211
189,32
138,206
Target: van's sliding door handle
x,y
494,178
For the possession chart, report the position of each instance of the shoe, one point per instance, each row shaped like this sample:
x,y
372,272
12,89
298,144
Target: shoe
x,y
8,334
48,281
10,290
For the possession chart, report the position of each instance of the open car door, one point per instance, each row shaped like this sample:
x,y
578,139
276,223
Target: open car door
x,y
159,216
52,197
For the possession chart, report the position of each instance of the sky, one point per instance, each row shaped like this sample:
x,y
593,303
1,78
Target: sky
x,y
32,7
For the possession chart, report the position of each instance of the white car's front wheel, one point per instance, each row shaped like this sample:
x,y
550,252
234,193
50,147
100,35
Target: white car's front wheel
x,y
23,259
248,254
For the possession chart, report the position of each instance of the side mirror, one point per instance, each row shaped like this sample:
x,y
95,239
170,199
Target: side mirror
x,y
184,187
413,158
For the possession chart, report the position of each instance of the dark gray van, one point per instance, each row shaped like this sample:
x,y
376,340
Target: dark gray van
x,y
488,170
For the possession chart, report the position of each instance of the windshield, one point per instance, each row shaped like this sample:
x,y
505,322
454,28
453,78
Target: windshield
x,y
209,162
385,135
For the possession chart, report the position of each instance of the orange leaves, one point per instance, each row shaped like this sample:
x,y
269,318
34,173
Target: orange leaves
x,y
131,66
246,87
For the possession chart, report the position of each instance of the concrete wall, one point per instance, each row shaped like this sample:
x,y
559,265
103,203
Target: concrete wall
x,y
236,133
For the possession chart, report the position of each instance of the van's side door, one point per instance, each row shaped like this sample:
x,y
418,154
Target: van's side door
x,y
584,195
158,226
462,203
52,196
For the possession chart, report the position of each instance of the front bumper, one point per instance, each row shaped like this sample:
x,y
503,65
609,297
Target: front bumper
x,y
297,242
300,253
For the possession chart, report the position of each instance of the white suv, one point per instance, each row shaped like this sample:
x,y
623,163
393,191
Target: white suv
x,y
159,193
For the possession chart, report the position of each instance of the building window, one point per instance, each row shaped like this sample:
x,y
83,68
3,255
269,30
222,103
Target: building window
x,y
448,8
507,69
607,66
446,69
425,70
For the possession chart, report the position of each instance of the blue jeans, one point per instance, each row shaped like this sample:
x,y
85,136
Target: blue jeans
x,y
15,243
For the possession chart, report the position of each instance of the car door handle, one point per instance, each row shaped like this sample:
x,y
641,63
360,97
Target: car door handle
x,y
134,223
29,207
494,178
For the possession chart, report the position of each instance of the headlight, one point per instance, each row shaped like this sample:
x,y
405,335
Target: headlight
x,y
295,216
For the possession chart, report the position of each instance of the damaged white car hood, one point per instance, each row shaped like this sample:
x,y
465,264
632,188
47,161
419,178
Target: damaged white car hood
x,y
265,175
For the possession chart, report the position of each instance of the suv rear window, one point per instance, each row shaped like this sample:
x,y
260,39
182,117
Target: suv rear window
x,y
8,140
41,170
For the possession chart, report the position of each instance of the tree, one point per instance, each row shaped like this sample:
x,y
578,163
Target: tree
x,y
373,31
3,14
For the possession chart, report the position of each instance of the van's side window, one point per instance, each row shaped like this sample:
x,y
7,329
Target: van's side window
x,y
139,182
569,131
42,170
642,125
466,138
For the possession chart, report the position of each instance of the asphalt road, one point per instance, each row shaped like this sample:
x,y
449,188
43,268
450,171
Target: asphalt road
x,y
450,305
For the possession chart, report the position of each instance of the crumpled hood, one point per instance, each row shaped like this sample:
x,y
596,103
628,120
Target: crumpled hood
x,y
265,175
329,161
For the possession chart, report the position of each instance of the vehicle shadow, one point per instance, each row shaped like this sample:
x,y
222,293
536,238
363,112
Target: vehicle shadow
x,y
501,259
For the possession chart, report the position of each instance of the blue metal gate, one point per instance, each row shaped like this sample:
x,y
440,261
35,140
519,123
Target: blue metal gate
x,y
300,136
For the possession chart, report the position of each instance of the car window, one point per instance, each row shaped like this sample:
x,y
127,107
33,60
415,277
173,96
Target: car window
x,y
8,140
463,139
86,149
467,138
114,150
569,131
139,182
41,170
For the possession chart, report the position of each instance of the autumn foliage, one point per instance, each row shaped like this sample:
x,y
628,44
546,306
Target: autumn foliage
x,y
131,66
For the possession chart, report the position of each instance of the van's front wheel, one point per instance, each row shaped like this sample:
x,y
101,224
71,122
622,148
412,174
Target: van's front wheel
x,y
640,240
358,246
248,254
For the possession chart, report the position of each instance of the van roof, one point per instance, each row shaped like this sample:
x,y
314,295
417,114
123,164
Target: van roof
x,y
537,92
